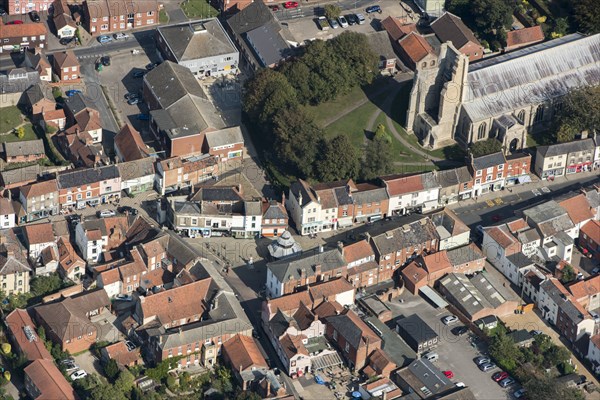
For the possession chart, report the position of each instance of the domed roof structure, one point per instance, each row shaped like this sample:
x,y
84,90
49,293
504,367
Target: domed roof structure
x,y
284,246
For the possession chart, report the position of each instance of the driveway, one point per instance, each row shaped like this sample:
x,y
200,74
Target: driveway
x,y
89,363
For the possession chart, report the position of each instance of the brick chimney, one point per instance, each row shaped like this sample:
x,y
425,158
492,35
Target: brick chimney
x,y
318,269
340,246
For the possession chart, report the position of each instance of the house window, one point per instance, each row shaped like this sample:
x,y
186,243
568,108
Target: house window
x,y
150,13
478,173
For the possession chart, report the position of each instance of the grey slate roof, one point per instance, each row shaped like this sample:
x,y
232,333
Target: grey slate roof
x,y
291,268
520,260
450,28
381,45
416,233
270,47
26,148
370,195
224,137
465,254
217,194
447,178
86,176
171,82
464,175
20,174
35,93
531,76
549,218
197,39
415,327
487,161
425,379
18,80
565,148
10,265
251,17
346,327
252,208
78,102
520,336
186,207
274,211
471,295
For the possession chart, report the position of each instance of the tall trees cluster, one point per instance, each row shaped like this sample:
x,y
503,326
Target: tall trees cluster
x,y
274,102
580,111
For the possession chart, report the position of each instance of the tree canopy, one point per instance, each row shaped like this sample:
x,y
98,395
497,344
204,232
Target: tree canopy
x,y
378,157
580,111
587,15
338,159
485,147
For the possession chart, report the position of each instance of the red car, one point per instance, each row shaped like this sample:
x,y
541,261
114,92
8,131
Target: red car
x,y
498,376
290,4
449,374
15,22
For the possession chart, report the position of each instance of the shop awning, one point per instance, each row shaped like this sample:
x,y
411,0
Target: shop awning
x,y
525,179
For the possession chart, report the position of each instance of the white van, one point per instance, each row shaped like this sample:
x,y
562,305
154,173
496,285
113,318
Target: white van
x,y
431,356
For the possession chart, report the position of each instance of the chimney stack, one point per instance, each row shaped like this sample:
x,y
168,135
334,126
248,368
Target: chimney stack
x,y
340,246
320,248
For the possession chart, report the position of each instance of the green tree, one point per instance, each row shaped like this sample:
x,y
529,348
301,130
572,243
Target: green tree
x,y
547,388
266,94
125,381
556,355
561,26
111,370
20,132
41,333
44,285
378,158
487,18
295,140
358,55
331,75
247,396
580,111
171,382
503,350
568,274
485,147
338,159
332,11
587,15
298,75
106,392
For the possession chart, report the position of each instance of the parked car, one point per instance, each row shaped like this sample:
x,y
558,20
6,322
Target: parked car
x,y
450,319
35,17
519,393
449,374
487,367
343,22
104,39
333,23
15,22
134,100
431,356
70,366
130,345
121,36
65,41
361,18
123,297
131,95
351,18
373,9
127,209
143,117
106,213
78,375
460,330
72,92
2,12
499,376
506,382
290,4
139,74
67,360
482,360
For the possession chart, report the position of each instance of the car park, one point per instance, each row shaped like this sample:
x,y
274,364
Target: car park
x,y
361,18
35,17
343,22
487,367
450,319
78,375
72,92
506,382
333,23
351,18
482,360
104,39
121,36
15,22
373,9
290,4
499,376
519,393
106,213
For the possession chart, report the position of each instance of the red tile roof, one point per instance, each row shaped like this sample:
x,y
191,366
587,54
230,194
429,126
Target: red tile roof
x,y
39,233
329,288
130,144
39,188
22,30
504,239
404,184
396,28
578,208
243,353
415,46
64,59
49,381
592,230
16,322
517,225
289,303
437,262
119,352
293,345
358,251
521,37
586,288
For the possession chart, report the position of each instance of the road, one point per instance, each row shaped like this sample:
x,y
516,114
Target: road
x,y
482,213
311,11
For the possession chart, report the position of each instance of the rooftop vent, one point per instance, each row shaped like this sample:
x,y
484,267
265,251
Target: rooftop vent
x,y
29,333
198,27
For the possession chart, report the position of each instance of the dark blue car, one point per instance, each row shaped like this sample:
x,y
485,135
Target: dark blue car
x,y
143,117
72,92
373,9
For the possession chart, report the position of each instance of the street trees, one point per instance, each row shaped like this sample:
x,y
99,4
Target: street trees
x,y
332,11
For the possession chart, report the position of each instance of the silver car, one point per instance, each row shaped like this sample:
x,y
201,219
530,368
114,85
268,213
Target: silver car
x,y
487,367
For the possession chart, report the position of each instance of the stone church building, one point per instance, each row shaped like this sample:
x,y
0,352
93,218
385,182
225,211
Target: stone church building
x,y
502,97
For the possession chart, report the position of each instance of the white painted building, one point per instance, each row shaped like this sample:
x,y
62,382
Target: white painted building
x,y
304,206
551,294
91,242
412,193
7,214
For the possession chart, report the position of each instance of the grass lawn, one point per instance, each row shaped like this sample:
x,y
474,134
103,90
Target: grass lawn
x,y
163,17
198,9
11,137
401,153
10,118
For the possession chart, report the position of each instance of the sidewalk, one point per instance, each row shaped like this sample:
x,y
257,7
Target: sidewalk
x,y
536,183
